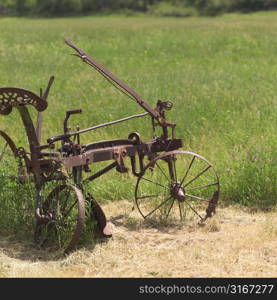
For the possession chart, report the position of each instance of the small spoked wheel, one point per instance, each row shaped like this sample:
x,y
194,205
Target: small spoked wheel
x,y
65,207
179,184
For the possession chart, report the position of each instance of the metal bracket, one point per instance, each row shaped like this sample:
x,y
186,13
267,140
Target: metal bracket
x,y
119,154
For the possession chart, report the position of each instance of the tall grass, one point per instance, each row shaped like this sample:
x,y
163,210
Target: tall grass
x,y
220,73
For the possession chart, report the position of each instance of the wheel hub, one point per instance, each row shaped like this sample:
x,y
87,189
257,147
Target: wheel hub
x,y
178,192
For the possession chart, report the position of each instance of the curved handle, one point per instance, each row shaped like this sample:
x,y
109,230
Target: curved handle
x,y
74,111
58,138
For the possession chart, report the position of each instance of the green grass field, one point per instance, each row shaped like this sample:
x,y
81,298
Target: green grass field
x,y
220,73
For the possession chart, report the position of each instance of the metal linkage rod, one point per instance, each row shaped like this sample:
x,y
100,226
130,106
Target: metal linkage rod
x,y
68,135
110,123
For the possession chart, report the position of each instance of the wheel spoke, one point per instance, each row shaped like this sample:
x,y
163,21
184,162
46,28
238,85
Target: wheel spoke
x,y
194,210
66,214
161,204
162,172
65,201
171,205
186,174
202,186
180,210
151,196
196,197
154,182
174,167
197,176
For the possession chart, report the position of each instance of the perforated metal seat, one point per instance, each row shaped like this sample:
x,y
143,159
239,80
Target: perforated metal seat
x,y
12,97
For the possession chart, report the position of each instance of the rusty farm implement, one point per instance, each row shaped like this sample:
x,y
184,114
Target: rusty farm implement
x,y
170,181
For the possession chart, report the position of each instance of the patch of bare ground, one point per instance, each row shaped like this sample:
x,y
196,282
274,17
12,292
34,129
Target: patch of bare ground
x,y
234,243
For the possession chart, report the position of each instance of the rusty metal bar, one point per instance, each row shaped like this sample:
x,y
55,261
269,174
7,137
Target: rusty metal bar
x,y
45,94
103,154
101,172
111,123
68,135
92,62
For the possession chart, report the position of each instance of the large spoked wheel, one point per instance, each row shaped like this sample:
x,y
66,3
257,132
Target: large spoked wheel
x,y
65,207
12,165
179,184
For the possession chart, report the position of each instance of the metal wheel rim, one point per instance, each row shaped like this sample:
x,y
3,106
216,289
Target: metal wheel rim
x,y
162,156
80,222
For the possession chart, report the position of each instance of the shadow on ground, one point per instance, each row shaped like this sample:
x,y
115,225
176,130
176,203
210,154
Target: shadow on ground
x,y
24,248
